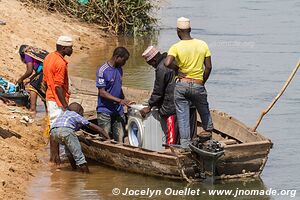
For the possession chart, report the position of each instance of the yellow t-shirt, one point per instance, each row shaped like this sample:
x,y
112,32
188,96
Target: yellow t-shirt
x,y
190,55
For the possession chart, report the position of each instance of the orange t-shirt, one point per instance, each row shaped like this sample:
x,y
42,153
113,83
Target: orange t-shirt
x,y
56,74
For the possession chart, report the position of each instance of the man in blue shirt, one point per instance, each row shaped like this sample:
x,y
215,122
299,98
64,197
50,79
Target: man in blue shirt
x,y
110,112
63,131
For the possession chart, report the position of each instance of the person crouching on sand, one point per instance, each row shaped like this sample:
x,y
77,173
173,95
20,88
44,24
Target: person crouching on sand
x,y
33,58
63,132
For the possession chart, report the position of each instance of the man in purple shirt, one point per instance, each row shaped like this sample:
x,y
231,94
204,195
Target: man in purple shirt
x,y
63,131
110,112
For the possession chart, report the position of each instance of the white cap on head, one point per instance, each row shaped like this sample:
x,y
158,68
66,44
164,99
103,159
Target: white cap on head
x,y
65,41
183,23
149,53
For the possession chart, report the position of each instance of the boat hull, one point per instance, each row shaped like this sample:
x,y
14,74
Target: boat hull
x,y
132,159
238,161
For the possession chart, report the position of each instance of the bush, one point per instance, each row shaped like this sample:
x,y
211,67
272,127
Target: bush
x,y
117,16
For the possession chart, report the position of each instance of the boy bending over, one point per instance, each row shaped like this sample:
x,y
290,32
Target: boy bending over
x,y
63,131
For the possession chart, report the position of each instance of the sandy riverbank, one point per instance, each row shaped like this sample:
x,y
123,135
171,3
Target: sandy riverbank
x,y
27,25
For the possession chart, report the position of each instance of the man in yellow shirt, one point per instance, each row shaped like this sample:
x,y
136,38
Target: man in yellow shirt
x,y
190,55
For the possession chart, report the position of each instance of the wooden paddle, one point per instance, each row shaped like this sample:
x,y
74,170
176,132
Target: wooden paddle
x,y
277,97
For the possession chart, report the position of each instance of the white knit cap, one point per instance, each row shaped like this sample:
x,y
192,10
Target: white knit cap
x,y
65,41
149,53
183,23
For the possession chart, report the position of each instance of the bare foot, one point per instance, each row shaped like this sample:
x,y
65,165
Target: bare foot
x,y
84,168
32,113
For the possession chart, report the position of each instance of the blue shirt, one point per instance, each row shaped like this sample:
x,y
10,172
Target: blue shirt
x,y
70,119
109,78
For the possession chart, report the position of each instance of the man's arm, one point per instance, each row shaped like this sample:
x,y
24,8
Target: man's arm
x,y
157,93
59,80
102,93
159,88
169,63
61,97
99,130
208,68
122,94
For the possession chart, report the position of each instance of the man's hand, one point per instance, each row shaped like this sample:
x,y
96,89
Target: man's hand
x,y
181,74
64,108
124,102
98,129
145,111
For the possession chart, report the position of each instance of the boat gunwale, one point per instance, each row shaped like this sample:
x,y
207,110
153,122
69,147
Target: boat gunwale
x,y
129,147
264,142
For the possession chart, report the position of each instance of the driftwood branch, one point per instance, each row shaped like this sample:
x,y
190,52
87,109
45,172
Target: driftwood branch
x,y
4,133
264,112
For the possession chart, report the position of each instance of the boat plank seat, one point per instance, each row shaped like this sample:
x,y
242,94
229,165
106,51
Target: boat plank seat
x,y
228,141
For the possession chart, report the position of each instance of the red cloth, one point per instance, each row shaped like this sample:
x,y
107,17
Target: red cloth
x,y
171,130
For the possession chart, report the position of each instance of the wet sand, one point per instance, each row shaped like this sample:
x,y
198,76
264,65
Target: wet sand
x,y
26,25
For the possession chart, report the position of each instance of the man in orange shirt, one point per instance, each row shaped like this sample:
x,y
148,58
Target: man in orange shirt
x,y
56,77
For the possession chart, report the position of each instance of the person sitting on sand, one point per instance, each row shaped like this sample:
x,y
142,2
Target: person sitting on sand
x,y
63,132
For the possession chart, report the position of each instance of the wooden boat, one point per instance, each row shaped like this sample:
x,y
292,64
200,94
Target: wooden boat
x,y
245,152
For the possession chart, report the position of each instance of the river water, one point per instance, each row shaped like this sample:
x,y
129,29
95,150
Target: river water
x,y
255,46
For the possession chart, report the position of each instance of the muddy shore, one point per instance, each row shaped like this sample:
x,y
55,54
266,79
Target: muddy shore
x,y
24,24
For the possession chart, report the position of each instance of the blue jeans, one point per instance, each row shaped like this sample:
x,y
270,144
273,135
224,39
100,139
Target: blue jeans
x,y
66,136
184,94
112,124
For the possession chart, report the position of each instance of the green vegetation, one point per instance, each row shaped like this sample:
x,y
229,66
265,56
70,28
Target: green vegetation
x,y
119,17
